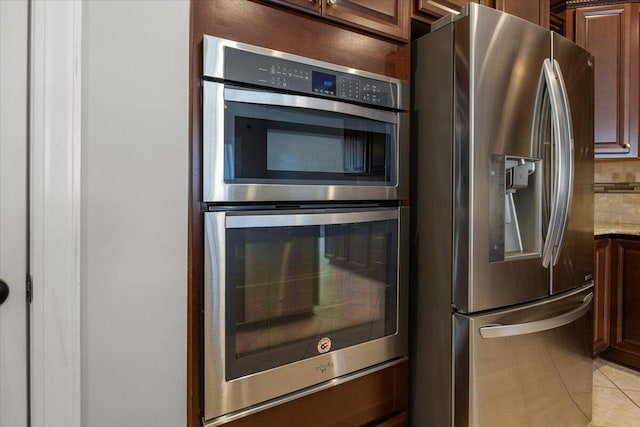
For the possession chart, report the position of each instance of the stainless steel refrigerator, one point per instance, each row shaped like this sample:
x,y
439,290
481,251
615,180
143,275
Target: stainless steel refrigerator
x,y
502,239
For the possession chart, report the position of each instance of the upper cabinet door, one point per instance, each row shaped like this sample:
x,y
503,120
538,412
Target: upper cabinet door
x,y
536,11
386,17
610,33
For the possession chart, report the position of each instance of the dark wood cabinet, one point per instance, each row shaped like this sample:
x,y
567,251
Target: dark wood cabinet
x,y
617,299
399,420
432,10
388,18
314,6
602,293
610,33
625,303
536,11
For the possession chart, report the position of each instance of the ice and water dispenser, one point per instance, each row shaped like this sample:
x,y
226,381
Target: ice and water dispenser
x,y
515,208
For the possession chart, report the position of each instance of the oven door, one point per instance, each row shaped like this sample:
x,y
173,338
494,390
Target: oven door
x,y
268,146
294,299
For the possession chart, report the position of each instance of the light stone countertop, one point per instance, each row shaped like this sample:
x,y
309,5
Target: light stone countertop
x,y
602,229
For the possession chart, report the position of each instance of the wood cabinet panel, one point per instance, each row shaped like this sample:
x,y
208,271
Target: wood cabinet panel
x,y
610,33
399,420
602,291
432,10
386,17
536,11
625,303
314,6
435,9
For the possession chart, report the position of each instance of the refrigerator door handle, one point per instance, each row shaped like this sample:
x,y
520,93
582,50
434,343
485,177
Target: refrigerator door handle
x,y
501,331
551,84
566,145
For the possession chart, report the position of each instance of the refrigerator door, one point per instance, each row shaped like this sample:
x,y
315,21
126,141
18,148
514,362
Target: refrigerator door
x,y
525,366
497,172
574,264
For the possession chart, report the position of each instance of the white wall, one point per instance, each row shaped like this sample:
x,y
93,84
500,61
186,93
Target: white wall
x,y
135,143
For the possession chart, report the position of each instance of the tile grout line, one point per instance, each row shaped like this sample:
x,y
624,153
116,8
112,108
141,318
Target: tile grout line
x,y
628,397
618,387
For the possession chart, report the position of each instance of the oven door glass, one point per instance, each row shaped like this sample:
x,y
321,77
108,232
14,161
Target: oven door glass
x,y
303,284
273,138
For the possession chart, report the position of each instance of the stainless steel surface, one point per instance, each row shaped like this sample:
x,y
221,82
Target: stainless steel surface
x,y
568,155
502,331
557,167
298,101
295,218
496,81
537,379
432,200
231,398
575,261
306,392
499,112
215,189
214,65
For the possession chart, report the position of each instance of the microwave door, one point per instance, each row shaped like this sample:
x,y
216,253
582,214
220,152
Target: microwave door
x,y
265,146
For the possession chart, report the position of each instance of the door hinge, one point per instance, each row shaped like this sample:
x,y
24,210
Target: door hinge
x,y
29,289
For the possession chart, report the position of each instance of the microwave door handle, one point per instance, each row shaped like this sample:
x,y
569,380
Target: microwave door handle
x,y
502,331
567,145
307,102
551,85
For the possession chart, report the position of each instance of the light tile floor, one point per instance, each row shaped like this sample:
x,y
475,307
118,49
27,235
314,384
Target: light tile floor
x,y
616,395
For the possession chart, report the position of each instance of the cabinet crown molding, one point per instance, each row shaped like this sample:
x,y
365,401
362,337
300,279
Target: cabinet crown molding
x,y
573,4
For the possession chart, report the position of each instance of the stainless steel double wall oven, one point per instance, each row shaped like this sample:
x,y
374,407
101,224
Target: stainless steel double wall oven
x,y
304,179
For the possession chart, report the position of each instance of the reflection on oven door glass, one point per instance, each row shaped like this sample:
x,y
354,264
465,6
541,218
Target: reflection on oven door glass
x,y
292,287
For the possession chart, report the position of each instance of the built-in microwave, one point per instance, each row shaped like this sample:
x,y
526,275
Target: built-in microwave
x,y
280,127
300,300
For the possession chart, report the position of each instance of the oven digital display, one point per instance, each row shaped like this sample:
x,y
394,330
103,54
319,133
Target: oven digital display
x,y
323,83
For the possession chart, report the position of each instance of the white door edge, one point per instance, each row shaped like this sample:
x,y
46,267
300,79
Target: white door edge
x,y
55,111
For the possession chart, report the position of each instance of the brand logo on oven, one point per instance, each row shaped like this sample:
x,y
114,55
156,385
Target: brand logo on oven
x,y
324,368
324,345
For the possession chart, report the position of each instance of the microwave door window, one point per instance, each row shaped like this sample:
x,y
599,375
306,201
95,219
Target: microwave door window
x,y
279,145
296,292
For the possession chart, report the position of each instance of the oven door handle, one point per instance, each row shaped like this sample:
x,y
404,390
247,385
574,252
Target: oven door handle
x,y
283,219
306,102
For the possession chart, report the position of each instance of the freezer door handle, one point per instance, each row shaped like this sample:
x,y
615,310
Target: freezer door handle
x,y
501,331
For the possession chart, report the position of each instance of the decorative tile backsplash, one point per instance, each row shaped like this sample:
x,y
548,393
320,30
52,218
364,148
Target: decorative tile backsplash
x,y
617,171
617,187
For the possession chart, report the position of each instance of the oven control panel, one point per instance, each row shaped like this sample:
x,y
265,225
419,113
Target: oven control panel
x,y
270,71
